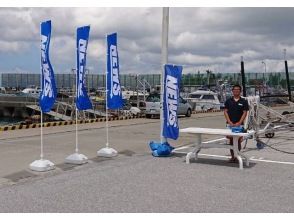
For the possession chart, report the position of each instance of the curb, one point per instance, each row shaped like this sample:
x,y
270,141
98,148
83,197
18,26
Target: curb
x,y
61,123
207,111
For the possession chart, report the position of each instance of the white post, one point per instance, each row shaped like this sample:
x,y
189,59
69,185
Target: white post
x,y
42,151
77,146
76,158
164,60
41,112
41,165
106,151
106,110
106,96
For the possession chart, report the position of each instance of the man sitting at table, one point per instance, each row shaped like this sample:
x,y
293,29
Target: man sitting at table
x,y
236,109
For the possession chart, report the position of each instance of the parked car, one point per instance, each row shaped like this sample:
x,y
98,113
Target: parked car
x,y
128,107
35,92
152,106
2,90
134,101
204,100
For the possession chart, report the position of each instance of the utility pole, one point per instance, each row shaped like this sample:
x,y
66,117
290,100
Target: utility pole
x,y
243,77
287,77
263,75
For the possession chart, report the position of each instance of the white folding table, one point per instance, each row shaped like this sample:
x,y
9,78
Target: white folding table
x,y
198,132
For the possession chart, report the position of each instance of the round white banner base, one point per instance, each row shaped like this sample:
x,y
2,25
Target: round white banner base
x,y
76,158
107,152
42,165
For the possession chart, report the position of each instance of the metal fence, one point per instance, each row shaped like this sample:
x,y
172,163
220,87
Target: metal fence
x,y
23,80
67,80
277,79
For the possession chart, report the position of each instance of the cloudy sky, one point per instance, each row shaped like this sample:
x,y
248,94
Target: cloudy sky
x,y
199,38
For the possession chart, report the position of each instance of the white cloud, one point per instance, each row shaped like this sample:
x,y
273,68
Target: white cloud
x,y
199,38
14,46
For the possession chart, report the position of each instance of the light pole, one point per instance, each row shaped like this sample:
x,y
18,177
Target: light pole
x,y
243,77
87,78
287,76
264,71
164,60
73,70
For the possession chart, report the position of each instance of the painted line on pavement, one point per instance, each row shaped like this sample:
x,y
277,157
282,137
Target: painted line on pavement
x,y
251,158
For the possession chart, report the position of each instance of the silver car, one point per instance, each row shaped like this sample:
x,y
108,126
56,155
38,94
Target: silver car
x,y
152,106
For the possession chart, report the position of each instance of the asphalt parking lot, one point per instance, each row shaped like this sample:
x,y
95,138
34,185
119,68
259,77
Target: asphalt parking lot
x,y
137,182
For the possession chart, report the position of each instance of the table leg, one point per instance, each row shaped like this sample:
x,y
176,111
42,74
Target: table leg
x,y
189,156
194,153
246,159
237,152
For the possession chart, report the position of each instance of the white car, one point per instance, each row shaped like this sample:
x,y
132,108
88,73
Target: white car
x,y
32,91
128,109
152,106
2,90
204,100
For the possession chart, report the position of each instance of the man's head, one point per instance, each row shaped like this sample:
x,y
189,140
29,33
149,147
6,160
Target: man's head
x,y
236,90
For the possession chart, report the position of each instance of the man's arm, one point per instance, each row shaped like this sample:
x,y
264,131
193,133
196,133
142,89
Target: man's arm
x,y
227,117
242,118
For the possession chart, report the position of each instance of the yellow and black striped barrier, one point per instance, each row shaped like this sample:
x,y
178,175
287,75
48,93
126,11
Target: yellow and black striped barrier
x,y
61,123
207,111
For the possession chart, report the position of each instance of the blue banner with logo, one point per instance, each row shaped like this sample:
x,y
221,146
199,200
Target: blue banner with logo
x,y
82,99
48,93
172,78
114,95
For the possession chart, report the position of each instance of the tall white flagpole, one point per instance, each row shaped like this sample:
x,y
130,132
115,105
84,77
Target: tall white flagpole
x,y
106,151
106,97
164,60
41,165
76,158
106,110
41,112
77,140
42,150
77,146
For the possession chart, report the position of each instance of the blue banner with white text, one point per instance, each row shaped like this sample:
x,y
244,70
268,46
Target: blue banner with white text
x,y
82,99
114,94
172,78
48,86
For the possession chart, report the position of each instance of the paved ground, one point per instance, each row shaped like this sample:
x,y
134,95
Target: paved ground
x,y
137,182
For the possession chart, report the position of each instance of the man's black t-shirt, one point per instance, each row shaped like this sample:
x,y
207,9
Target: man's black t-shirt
x,y
236,109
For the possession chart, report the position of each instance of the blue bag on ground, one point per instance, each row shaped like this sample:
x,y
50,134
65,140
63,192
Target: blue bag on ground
x,y
160,150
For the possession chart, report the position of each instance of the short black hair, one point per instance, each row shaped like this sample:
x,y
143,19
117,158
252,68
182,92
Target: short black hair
x,y
237,85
